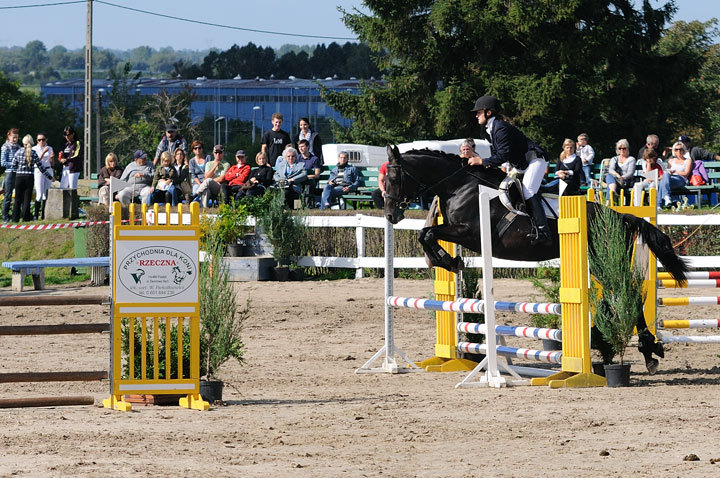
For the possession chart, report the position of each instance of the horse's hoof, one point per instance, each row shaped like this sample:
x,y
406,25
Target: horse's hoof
x,y
659,350
652,366
458,264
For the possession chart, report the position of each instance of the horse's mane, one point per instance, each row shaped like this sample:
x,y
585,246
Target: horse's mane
x,y
453,161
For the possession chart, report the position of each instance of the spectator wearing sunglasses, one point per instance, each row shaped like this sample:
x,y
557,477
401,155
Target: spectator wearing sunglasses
x,y
215,171
621,169
42,182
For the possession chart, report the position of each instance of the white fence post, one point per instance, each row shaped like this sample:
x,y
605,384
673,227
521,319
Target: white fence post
x,y
360,243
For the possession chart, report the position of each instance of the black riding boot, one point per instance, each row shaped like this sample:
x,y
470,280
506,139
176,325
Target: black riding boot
x,y
540,234
37,214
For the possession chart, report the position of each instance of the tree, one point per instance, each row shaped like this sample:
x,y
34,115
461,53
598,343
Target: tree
x,y
558,68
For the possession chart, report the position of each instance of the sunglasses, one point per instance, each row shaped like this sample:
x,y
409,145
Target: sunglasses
x,y
42,139
677,149
622,147
218,152
197,147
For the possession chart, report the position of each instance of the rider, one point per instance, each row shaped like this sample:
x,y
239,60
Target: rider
x,y
509,144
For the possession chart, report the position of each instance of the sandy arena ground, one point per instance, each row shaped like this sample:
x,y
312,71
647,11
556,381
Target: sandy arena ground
x,y
296,408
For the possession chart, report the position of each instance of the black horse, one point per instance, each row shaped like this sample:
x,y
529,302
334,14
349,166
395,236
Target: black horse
x,y
456,186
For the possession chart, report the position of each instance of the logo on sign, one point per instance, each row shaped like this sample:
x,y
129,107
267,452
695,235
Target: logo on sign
x,y
157,272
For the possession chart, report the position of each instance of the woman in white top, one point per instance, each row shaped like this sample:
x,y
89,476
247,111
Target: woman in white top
x,y
621,169
41,181
676,176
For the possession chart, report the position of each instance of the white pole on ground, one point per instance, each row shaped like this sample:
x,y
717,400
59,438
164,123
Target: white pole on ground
x,y
389,364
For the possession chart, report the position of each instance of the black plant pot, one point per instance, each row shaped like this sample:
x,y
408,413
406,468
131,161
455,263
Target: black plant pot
x,y
598,368
617,375
282,274
297,274
211,390
235,250
548,344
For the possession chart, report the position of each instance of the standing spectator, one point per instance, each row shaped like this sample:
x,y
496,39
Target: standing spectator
x,y
197,165
290,175
23,161
41,181
587,156
71,158
236,176
621,169
651,142
7,153
171,141
312,137
696,153
569,169
111,170
274,140
140,174
260,179
379,194
162,189
344,178
214,176
183,190
677,174
313,167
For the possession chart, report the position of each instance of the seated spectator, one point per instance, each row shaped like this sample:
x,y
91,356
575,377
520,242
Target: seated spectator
x,y
569,169
236,176
313,167
290,175
140,175
379,194
344,178
197,166
215,170
696,153
621,170
260,178
587,155
24,162
163,183
314,142
650,164
651,142
677,174
111,169
182,189
41,181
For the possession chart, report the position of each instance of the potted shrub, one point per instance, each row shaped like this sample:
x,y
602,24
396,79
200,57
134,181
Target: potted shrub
x,y
286,232
618,298
221,322
548,281
230,226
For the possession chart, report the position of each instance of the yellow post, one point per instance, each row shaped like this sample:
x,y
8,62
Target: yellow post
x,y
576,369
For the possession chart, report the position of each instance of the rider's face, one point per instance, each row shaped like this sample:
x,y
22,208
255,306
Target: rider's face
x,y
481,117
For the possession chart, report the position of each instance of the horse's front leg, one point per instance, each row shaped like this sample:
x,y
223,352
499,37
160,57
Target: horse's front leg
x,y
439,257
647,345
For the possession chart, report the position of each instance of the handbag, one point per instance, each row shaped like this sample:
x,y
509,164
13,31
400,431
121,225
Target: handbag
x,y
697,180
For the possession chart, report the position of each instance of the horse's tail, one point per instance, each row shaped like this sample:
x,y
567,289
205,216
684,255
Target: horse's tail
x,y
659,243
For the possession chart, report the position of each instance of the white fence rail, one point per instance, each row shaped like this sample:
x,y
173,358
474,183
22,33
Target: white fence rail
x,y
361,221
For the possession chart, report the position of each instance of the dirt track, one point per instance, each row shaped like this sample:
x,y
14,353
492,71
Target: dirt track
x,y
296,408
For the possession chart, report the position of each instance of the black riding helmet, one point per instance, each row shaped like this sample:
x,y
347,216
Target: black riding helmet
x,y
487,103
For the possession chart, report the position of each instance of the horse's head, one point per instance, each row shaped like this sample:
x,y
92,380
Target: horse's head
x,y
398,190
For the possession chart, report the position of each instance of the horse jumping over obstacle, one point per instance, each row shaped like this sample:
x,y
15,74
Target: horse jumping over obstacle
x,y
456,186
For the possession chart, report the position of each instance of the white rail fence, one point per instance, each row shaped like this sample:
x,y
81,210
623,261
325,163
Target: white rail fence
x,y
361,222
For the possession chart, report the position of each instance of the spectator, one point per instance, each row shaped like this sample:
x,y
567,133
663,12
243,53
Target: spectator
x,y
215,171
111,170
467,148
290,175
677,174
140,174
651,163
587,156
236,176
40,180
379,194
197,166
651,142
7,153
569,169
260,179
696,153
274,140
313,166
183,189
164,180
621,169
171,141
71,158
344,178
313,139
23,161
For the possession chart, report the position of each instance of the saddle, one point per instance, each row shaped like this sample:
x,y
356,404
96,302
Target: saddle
x,y
514,208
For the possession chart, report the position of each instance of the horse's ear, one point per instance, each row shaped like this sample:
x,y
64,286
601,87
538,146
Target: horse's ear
x,y
393,152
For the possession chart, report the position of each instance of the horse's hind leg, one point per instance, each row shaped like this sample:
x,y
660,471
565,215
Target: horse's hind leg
x,y
647,345
438,256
